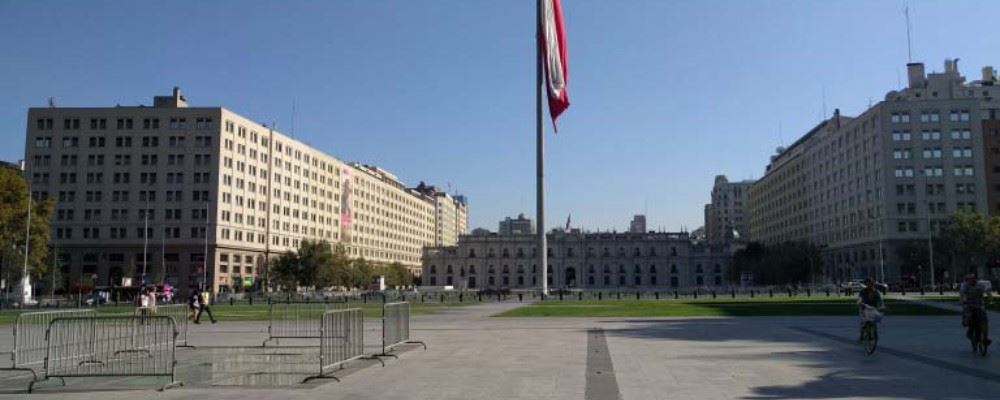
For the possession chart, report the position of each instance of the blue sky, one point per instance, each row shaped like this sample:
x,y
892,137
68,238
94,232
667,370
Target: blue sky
x,y
665,94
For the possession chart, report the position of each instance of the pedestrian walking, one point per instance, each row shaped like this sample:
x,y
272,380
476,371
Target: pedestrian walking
x,y
194,305
203,302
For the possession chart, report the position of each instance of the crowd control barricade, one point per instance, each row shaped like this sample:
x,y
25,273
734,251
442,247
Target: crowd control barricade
x,y
296,320
342,339
29,338
396,328
179,312
111,346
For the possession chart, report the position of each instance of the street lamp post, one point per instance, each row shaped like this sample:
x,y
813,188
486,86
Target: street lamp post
x,y
930,232
25,279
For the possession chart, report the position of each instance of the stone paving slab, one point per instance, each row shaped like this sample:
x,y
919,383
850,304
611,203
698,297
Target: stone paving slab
x,y
471,355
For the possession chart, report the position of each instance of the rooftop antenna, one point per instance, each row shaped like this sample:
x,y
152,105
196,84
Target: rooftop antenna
x,y
781,140
824,102
909,47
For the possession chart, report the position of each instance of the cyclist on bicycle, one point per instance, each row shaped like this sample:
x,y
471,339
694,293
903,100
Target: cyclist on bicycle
x,y
869,296
972,295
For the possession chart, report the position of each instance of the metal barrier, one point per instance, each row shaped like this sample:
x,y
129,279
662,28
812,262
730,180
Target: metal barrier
x,y
396,328
111,346
29,338
179,312
342,339
295,320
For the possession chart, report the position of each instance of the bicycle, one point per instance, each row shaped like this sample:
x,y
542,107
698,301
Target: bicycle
x,y
977,333
869,328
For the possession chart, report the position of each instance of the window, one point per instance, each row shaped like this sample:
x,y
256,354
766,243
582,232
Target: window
x,y
930,135
901,136
932,153
961,135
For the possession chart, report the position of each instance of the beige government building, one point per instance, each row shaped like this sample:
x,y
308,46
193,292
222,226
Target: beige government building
x,y
862,187
159,186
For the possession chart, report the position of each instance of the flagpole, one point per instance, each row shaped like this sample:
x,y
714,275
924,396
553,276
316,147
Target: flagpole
x,y
540,152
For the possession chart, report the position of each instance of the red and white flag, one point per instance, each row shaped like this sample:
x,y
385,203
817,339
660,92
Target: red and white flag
x,y
553,44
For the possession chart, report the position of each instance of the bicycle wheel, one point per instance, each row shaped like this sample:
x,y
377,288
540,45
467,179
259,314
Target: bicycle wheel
x,y
870,338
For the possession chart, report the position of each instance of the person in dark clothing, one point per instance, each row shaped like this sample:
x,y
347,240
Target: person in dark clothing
x,y
870,297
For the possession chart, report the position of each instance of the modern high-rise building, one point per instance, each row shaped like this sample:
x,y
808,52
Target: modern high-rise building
x,y
638,224
863,187
725,216
520,226
156,189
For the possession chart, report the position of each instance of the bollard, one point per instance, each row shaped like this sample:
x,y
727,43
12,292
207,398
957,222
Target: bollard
x,y
520,297
751,293
696,293
637,295
560,296
902,291
498,298
656,295
676,296
770,292
941,290
809,292
921,290
600,295
733,293
713,294
251,300
789,292
619,295
827,292
580,296
461,297
442,298
231,301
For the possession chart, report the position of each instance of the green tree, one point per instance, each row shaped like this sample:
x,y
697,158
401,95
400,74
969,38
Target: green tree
x,y
14,199
397,275
360,273
285,270
975,239
783,263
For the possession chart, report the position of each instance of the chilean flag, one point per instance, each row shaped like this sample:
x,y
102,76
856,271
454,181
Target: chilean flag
x,y
553,51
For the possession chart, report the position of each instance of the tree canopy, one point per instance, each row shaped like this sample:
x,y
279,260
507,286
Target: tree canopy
x,y
14,199
320,265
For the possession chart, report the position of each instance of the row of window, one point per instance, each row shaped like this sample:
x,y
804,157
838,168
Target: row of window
x,y
905,135
122,233
43,142
930,116
123,123
933,171
932,153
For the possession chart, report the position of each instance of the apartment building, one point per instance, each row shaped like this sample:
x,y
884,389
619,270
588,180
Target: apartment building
x,y
861,187
725,216
203,194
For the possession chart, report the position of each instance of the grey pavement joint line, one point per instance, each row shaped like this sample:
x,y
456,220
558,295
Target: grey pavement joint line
x,y
601,381
970,371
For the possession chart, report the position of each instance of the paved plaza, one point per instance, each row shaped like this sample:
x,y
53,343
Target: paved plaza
x,y
472,355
